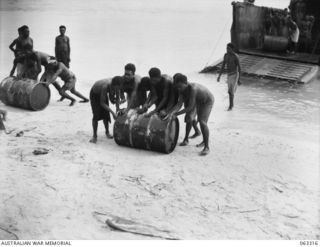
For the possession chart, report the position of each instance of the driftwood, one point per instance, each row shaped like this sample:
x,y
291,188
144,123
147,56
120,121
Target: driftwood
x,y
126,225
6,234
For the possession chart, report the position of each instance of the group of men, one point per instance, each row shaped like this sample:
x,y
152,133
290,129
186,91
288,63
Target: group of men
x,y
167,95
28,63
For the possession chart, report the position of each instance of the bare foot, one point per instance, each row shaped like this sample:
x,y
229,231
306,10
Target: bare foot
x,y
200,145
61,99
93,140
109,136
230,108
184,143
84,101
72,102
205,151
196,134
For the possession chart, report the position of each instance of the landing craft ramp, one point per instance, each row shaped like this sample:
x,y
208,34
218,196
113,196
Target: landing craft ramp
x,y
270,68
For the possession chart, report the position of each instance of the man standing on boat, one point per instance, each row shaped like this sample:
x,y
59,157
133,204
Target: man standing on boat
x,y
233,69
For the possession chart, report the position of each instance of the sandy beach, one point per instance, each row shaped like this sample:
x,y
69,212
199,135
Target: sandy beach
x,y
260,180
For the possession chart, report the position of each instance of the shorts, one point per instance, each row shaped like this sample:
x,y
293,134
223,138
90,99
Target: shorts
x,y
232,82
70,83
99,113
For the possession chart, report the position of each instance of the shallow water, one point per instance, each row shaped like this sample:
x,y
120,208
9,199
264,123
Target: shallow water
x,y
177,36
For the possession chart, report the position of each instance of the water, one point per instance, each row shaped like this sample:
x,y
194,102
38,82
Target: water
x,y
175,35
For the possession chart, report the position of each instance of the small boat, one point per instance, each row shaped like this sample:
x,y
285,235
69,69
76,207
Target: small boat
x,y
260,35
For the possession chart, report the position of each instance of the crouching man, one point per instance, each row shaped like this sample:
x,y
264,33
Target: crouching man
x,y
198,101
101,92
57,69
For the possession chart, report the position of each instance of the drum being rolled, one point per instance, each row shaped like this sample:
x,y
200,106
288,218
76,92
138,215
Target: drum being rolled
x,y
150,133
24,93
275,43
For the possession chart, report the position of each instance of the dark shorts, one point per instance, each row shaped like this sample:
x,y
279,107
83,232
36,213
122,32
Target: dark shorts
x,y
99,113
70,83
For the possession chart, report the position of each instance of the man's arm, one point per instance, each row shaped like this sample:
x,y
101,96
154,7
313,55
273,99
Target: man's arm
x,y
11,46
222,68
55,75
38,64
103,100
69,49
164,98
177,106
152,98
56,47
239,68
191,103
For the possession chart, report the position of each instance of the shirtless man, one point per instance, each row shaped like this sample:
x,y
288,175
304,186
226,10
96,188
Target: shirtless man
x,y
162,85
234,70
100,93
57,69
143,102
172,101
62,47
198,101
23,45
129,86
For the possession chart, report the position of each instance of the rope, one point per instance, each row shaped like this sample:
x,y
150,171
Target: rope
x,y
218,41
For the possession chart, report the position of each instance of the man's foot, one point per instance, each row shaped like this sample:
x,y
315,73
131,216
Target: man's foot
x,y
72,102
200,145
205,151
230,108
84,101
196,134
184,143
93,140
61,99
109,136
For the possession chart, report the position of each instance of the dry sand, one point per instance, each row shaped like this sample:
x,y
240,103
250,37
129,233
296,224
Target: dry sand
x,y
253,184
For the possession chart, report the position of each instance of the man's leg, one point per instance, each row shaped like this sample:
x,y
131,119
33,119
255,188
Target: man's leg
x,y
63,93
106,125
231,97
95,128
186,138
203,116
84,99
13,69
205,134
196,129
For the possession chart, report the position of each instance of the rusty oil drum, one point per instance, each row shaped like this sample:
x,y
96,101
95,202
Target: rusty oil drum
x,y
150,133
24,93
275,43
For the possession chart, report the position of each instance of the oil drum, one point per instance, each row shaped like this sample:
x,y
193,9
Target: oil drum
x,y
150,133
275,43
24,93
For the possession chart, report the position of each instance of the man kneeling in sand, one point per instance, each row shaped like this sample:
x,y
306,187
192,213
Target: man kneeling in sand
x,y
199,101
58,69
100,93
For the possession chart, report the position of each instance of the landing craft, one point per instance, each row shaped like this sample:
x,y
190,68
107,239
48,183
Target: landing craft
x,y
260,35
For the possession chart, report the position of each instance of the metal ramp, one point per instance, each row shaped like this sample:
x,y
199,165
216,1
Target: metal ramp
x,y
271,68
